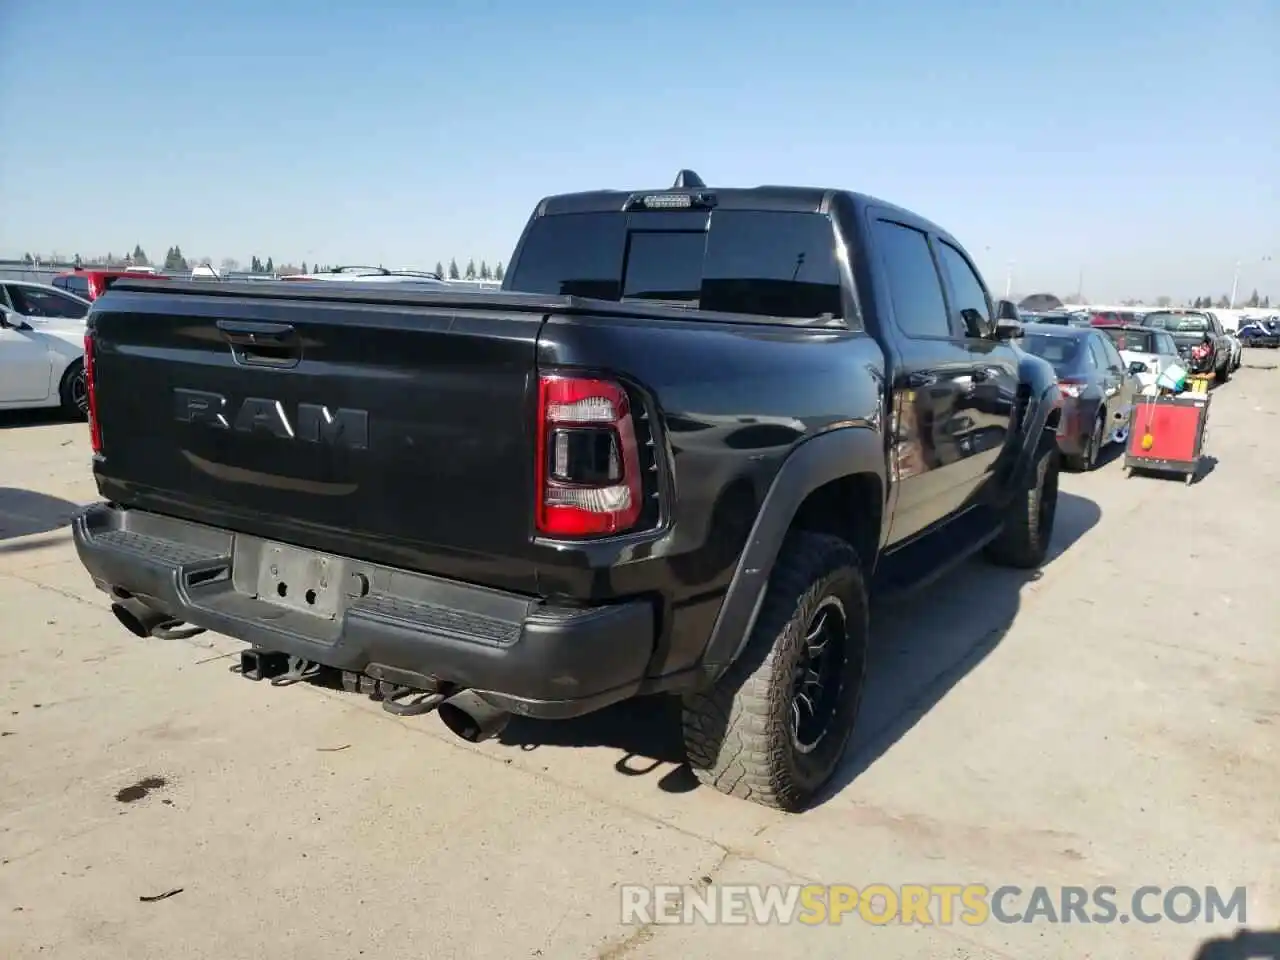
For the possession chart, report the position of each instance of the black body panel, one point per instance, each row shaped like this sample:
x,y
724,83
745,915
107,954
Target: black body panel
x,y
397,428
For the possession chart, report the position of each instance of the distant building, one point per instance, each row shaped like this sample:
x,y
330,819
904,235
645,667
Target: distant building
x,y
1040,303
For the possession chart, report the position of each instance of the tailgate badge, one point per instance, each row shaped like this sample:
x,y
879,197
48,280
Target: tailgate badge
x,y
346,428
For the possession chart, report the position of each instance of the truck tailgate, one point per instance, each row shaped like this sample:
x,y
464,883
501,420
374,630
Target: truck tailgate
x,y
399,433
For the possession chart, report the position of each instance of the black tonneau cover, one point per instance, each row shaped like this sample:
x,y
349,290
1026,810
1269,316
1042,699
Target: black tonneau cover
x,y
448,299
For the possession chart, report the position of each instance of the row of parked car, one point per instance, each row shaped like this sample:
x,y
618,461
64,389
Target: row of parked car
x,y
1106,360
42,326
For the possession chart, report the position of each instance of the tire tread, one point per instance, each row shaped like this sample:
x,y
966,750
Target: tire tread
x,y
730,730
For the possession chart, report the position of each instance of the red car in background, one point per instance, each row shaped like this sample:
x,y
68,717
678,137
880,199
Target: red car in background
x,y
1113,318
91,284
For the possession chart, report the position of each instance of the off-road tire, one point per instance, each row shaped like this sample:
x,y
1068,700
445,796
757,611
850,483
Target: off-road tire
x,y
1023,542
1087,459
738,734
72,392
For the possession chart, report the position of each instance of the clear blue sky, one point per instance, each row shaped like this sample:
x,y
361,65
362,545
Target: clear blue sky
x,y
1138,141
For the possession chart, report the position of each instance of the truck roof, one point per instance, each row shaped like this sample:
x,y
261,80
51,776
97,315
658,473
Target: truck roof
x,y
800,199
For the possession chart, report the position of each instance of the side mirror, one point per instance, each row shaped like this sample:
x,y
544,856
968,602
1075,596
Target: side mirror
x,y
975,324
11,321
1007,310
1137,367
1009,329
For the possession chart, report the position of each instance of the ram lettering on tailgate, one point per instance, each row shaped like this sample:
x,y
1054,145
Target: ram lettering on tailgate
x,y
313,422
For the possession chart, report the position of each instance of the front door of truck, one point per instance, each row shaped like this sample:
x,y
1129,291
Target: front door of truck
x,y
991,393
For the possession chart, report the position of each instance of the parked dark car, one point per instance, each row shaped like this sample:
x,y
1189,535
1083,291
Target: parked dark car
x,y
674,454
1260,333
1097,389
1202,342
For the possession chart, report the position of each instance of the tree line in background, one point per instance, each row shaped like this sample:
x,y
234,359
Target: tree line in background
x,y
175,261
1203,303
1223,302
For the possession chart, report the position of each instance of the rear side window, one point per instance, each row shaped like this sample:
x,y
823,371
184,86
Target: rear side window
x,y
46,304
1111,355
919,307
763,263
1097,354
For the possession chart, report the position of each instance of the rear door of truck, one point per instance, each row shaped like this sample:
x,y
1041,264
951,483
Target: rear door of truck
x,y
363,425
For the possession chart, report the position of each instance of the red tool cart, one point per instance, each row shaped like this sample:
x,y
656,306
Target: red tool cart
x,y
1166,434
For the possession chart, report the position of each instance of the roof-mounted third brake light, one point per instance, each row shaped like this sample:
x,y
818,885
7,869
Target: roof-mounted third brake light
x,y
688,193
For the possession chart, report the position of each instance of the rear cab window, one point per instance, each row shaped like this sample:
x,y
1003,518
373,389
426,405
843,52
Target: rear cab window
x,y
1066,353
766,263
77,285
1139,341
1179,322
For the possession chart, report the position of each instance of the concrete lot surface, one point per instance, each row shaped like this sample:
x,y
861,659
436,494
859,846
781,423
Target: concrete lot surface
x,y
1114,721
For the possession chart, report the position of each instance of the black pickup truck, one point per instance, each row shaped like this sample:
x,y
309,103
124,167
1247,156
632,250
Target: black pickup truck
x,y
675,454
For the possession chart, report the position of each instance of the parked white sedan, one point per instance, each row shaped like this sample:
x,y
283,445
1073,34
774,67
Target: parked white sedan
x,y
42,348
1146,351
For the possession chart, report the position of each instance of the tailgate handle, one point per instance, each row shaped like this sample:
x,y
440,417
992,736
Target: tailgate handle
x,y
262,344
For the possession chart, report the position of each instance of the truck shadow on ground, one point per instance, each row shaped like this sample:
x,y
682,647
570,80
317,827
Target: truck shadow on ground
x,y
26,512
11,419
1244,945
922,650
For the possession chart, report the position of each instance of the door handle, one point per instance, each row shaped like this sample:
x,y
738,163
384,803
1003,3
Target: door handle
x,y
253,332
260,344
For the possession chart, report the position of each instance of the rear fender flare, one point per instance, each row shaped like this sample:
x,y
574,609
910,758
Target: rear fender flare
x,y
1034,434
813,463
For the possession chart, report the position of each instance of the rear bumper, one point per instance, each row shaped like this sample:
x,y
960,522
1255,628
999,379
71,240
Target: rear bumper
x,y
402,627
1073,428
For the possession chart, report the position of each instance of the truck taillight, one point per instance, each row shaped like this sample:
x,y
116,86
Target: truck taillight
x,y
588,475
91,388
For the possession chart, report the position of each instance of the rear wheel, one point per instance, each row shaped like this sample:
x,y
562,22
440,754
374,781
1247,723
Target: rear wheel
x,y
74,392
1087,459
774,728
1223,374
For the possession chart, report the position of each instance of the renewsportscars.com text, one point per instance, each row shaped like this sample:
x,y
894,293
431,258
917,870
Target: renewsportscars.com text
x,y
929,904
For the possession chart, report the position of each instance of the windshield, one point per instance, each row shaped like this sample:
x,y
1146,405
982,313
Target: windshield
x,y
1062,352
766,263
1139,341
1178,322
